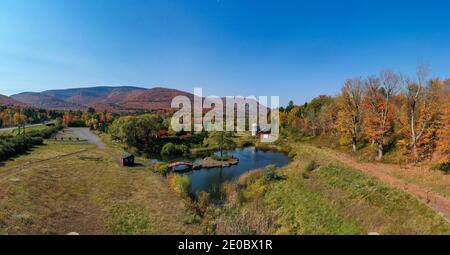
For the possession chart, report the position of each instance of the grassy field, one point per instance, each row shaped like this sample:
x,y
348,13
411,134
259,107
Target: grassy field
x,y
330,199
59,188
81,189
434,180
421,174
47,151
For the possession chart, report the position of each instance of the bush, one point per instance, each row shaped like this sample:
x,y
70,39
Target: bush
x,y
223,158
14,145
11,146
249,177
133,150
161,168
181,184
312,165
292,154
183,149
270,174
170,149
444,167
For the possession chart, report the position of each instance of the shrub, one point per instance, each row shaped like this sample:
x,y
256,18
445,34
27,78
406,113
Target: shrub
x,y
203,200
292,154
183,149
14,145
445,167
230,193
181,184
170,149
133,150
223,158
250,177
312,165
270,174
161,168
192,219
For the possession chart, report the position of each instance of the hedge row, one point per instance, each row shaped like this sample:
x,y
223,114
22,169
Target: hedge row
x,y
11,146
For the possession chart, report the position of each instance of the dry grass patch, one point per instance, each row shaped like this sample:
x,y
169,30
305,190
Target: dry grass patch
x,y
90,194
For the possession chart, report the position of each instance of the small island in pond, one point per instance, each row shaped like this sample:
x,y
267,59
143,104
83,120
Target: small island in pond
x,y
211,162
208,162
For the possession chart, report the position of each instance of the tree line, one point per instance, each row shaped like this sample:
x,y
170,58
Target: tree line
x,y
90,118
388,110
13,145
16,116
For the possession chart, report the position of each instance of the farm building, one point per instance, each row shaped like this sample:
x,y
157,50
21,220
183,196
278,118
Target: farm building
x,y
127,159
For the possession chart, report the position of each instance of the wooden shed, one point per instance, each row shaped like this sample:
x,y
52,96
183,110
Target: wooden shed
x,y
127,159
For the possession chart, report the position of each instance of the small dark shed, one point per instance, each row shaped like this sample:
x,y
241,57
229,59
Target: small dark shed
x,y
127,159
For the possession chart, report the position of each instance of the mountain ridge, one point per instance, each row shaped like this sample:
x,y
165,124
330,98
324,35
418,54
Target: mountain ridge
x,y
114,99
119,99
9,101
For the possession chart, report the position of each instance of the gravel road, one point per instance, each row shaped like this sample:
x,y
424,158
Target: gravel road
x,y
86,134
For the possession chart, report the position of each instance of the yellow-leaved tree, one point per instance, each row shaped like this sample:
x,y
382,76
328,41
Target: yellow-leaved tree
x,y
20,120
350,103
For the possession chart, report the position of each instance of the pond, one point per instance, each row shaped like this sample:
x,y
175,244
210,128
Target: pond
x,y
250,158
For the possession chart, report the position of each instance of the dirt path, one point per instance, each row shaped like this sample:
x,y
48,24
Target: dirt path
x,y
86,134
381,171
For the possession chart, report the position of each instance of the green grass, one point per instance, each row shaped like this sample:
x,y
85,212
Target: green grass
x,y
366,152
422,174
87,193
27,129
307,211
434,180
129,219
375,206
47,151
330,199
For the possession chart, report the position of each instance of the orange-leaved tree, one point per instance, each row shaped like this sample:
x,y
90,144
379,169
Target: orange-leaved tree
x,y
423,109
379,107
67,118
443,141
350,114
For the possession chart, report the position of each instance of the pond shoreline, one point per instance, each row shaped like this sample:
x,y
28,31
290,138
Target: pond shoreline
x,y
209,179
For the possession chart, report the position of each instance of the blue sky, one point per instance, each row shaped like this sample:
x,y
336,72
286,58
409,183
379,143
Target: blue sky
x,y
293,49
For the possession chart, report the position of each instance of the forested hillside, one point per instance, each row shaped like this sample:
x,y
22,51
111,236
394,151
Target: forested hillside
x,y
381,116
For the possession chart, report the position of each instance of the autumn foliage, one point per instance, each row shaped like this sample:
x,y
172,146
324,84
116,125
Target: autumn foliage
x,y
443,133
386,112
